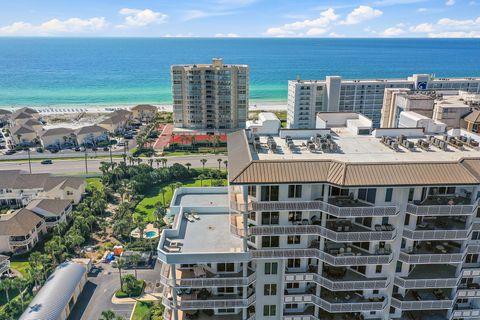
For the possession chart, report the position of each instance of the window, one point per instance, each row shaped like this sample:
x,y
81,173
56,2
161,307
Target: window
x,y
293,239
293,285
411,194
295,216
226,290
229,310
291,306
367,195
270,241
252,215
270,217
388,195
271,267
295,191
293,263
252,191
269,193
270,289
399,267
378,269
269,310
225,267
471,258
476,235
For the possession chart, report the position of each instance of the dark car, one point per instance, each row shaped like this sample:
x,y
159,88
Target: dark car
x,y
105,149
77,149
128,136
47,161
94,149
10,152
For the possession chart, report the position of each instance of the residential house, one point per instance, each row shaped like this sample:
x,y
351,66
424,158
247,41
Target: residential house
x,y
122,112
4,117
114,124
58,137
144,112
19,118
34,124
91,134
66,188
53,211
23,135
32,112
20,231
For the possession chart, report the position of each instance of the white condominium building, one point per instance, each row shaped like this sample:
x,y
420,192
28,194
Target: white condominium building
x,y
346,225
307,97
210,96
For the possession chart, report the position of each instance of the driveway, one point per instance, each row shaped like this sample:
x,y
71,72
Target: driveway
x,y
98,292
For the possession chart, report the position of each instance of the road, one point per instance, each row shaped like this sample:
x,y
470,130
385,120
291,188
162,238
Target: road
x,y
78,166
98,292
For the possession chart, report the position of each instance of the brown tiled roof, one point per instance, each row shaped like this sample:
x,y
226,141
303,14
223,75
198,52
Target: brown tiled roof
x,y
148,107
19,223
90,129
474,117
53,206
21,129
57,131
5,112
239,156
15,179
21,115
114,119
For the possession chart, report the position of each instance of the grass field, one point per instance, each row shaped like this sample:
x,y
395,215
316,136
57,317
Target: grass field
x,y
141,310
94,183
20,266
146,207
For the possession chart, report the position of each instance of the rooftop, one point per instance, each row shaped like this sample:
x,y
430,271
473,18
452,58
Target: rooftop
x,y
50,207
18,223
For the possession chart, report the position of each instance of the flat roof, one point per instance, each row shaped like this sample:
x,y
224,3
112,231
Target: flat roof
x,y
199,200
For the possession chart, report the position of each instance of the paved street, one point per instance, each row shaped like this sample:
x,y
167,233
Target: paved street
x,y
78,166
98,292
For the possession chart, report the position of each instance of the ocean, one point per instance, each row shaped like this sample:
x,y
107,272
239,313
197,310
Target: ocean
x,y
125,71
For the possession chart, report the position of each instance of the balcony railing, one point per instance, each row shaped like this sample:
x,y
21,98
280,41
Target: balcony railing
x,y
436,234
426,283
441,210
325,257
336,307
337,285
299,317
468,293
20,242
422,305
344,236
428,258
467,313
344,212
196,304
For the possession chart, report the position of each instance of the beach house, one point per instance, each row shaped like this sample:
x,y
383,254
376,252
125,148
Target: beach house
x,y
144,112
57,137
20,231
91,135
53,211
23,135
114,124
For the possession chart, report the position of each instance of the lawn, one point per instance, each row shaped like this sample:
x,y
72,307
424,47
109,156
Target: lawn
x,y
94,183
146,207
20,266
141,310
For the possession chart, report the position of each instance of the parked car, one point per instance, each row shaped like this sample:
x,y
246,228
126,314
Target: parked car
x,y
10,152
47,161
105,149
77,149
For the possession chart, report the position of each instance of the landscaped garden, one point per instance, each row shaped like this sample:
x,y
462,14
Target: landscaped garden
x,y
148,310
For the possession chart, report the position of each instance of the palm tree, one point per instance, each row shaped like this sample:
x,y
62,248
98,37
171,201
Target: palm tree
x,y
201,177
130,160
203,161
150,162
188,165
225,162
120,266
5,285
158,161
141,224
20,284
135,258
219,163
107,315
164,162
163,190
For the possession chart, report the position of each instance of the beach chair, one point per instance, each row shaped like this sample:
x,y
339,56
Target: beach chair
x,y
188,217
195,215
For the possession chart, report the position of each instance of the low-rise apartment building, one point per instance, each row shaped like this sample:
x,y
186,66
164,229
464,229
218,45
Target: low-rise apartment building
x,y
53,211
20,231
144,112
307,97
330,223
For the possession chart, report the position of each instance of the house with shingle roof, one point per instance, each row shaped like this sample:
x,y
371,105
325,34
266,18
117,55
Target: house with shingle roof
x,y
59,137
53,211
144,112
20,231
23,135
91,134
114,124
4,117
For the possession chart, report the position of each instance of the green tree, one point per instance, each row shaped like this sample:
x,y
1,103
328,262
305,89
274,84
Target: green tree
x,y
203,161
108,315
163,190
219,163
120,265
164,162
188,165
20,284
225,162
135,258
201,177
5,285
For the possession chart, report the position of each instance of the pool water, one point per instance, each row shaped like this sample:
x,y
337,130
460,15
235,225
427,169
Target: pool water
x,y
150,234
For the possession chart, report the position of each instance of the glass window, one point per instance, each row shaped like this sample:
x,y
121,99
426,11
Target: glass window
x,y
295,191
293,285
269,310
269,218
271,267
226,267
295,239
269,193
270,241
295,216
388,195
252,191
293,263
270,289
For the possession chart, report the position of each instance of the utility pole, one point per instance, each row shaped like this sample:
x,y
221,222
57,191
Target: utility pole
x,y
29,161
86,166
109,147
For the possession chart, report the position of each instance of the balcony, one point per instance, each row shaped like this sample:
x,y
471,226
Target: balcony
x,y
338,231
428,252
201,278
442,206
20,241
423,315
471,290
429,276
423,299
443,228
203,299
465,312
202,315
337,302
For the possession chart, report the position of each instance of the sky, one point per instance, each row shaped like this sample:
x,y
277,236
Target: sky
x,y
241,18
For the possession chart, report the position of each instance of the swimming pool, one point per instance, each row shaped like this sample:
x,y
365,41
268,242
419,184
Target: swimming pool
x,y
150,234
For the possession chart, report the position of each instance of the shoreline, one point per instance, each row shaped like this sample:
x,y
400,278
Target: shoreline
x,y
75,108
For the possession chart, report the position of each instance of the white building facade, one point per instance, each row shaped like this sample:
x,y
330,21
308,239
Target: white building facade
x,y
307,97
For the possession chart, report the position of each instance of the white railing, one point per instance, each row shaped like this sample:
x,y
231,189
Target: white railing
x,y
337,285
473,313
20,242
336,211
325,257
468,293
471,272
426,283
422,305
436,234
344,236
208,304
4,266
299,317
427,258
441,210
336,307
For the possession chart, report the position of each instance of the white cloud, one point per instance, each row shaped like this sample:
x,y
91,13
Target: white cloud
x,y
422,28
199,14
314,26
335,35
450,2
458,23
141,18
392,32
361,14
55,27
455,34
386,3
226,35
422,10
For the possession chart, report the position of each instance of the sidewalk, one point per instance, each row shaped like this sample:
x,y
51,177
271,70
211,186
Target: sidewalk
x,y
143,297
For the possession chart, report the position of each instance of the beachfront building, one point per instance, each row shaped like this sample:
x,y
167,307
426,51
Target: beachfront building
x,y
266,124
23,135
91,135
344,225
17,188
144,112
57,138
20,231
210,96
53,211
4,117
58,296
307,97
114,123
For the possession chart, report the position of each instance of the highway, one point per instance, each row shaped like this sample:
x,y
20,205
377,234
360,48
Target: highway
x,y
60,167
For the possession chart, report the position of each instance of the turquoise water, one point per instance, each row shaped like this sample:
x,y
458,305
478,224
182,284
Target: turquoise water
x,y
122,71
150,234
